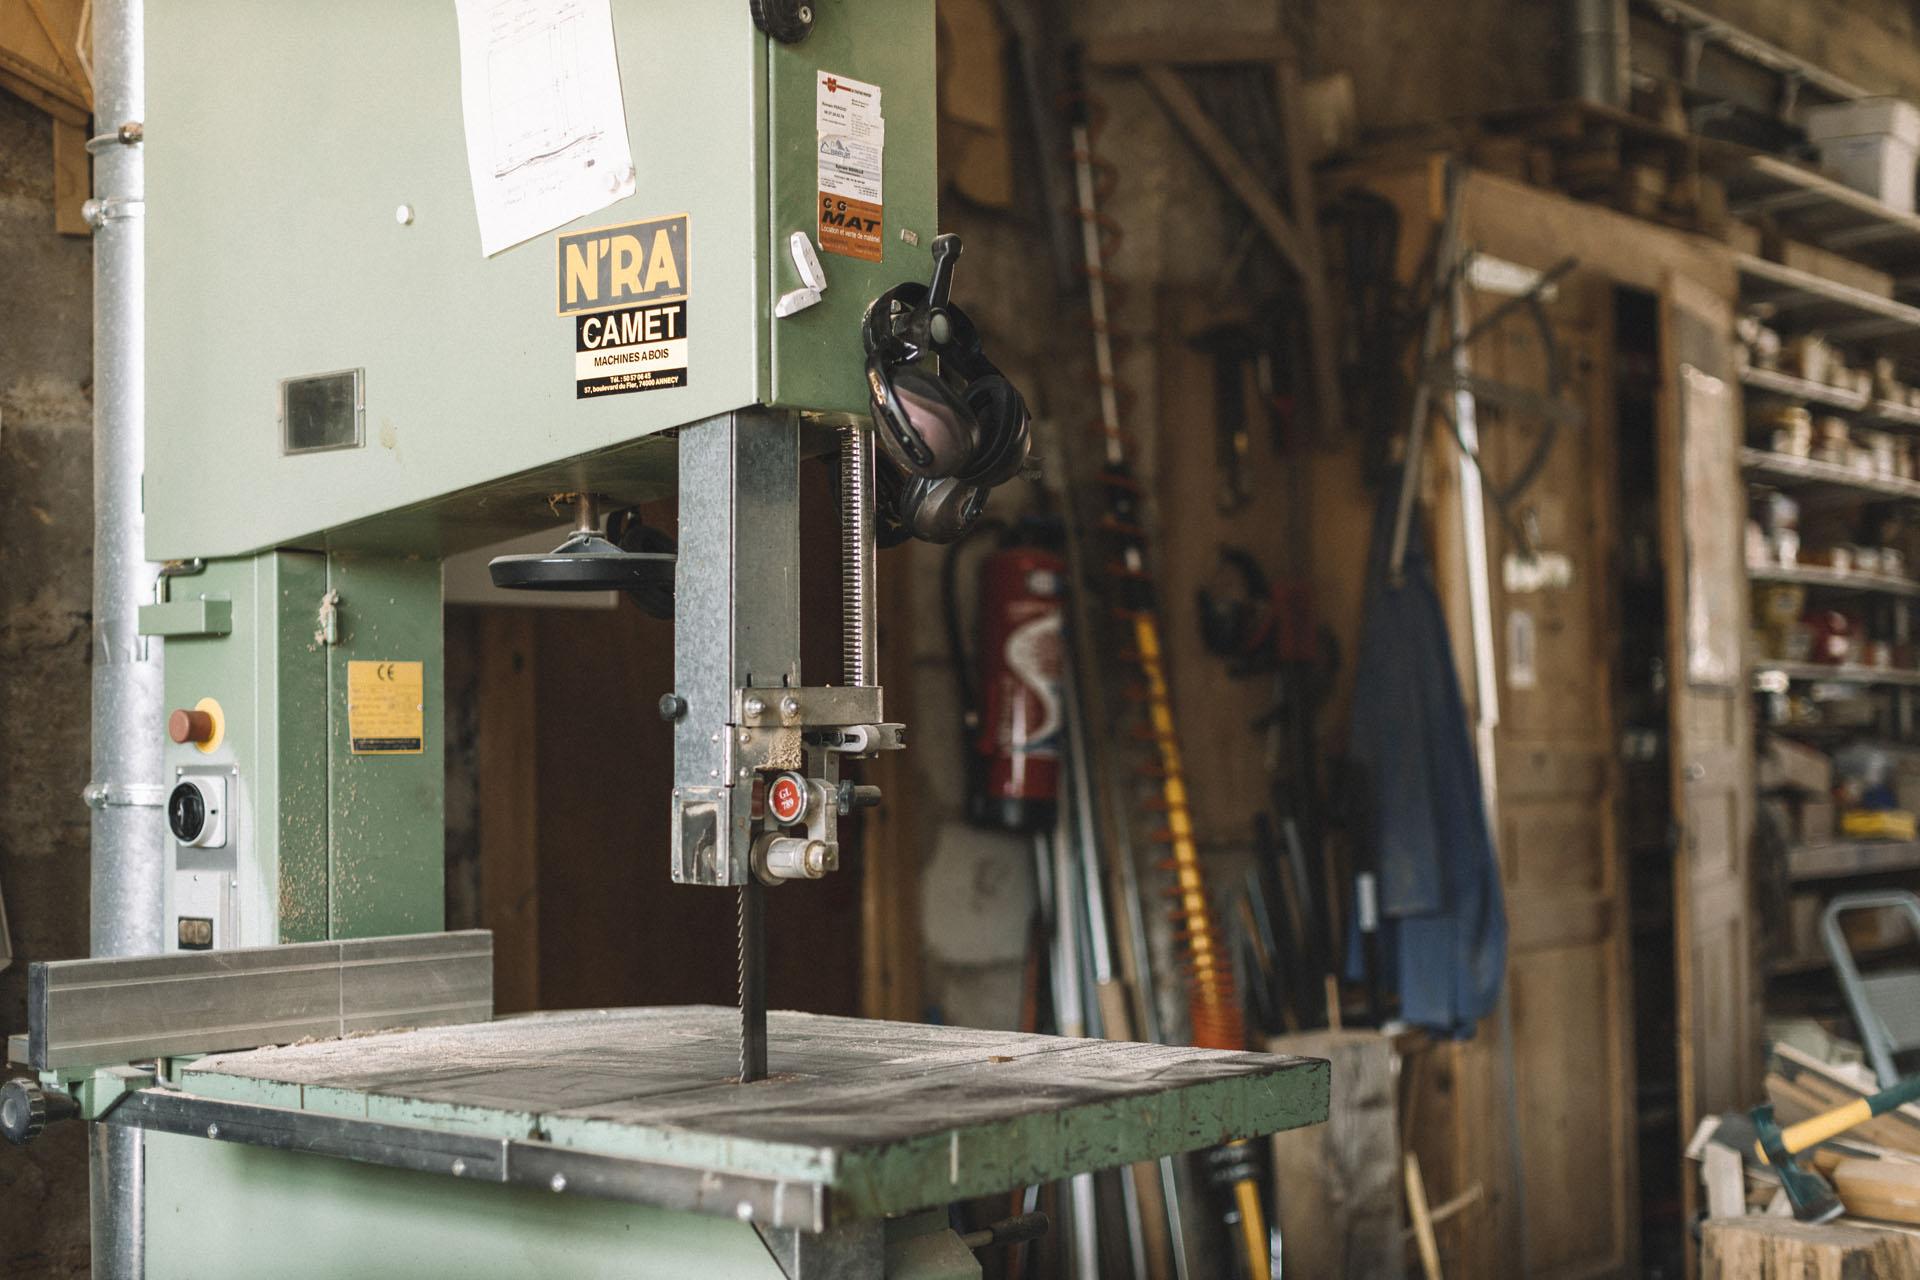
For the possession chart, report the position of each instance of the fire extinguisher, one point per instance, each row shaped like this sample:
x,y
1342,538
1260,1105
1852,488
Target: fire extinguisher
x,y
1015,715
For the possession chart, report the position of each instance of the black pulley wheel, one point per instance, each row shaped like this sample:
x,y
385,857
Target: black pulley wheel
x,y
587,564
787,21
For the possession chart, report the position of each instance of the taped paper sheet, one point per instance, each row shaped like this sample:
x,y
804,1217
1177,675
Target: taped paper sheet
x,y
546,126
852,138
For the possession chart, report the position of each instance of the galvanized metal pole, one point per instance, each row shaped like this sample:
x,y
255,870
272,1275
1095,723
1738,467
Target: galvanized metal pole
x,y
126,790
126,793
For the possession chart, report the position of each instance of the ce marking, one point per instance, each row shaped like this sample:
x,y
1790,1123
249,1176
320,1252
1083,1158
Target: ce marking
x,y
384,671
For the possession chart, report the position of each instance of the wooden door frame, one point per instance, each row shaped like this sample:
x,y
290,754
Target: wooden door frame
x,y
1534,227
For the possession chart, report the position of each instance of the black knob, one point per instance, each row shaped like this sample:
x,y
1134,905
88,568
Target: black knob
x,y
851,797
672,707
187,812
787,21
25,1109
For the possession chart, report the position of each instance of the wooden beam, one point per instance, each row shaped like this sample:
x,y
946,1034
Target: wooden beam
x,y
1187,48
509,792
35,95
1323,339
1296,236
35,49
890,944
62,37
72,178
1422,1220
1219,152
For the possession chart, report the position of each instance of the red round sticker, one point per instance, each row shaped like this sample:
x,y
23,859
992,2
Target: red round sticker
x,y
786,799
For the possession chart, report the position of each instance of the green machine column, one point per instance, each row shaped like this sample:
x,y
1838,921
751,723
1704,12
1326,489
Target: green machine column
x,y
386,828
313,836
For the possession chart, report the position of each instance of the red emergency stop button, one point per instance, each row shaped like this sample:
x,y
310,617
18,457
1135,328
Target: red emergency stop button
x,y
194,726
787,799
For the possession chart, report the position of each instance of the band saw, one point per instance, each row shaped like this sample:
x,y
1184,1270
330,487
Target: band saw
x,y
343,390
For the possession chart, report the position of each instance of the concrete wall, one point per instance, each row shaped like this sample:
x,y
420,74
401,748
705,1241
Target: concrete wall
x,y
46,521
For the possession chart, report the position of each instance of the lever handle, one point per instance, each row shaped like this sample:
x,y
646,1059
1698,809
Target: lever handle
x,y
946,252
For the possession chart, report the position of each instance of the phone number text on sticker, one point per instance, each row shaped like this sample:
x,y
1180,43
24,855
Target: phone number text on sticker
x,y
632,349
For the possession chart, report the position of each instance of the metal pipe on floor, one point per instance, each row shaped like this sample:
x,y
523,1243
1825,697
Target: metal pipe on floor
x,y
126,791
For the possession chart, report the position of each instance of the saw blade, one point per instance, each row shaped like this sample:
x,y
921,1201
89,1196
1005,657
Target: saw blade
x,y
753,982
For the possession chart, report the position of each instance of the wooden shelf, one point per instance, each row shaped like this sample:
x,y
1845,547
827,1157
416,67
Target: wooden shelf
x,y
1851,580
1885,414
1827,673
1801,300
1792,388
1831,734
1832,860
1815,209
1801,965
1788,469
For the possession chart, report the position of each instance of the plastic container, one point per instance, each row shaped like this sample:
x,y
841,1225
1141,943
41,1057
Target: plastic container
x,y
1871,145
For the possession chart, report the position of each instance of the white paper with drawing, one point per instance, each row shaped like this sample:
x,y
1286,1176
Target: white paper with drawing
x,y
546,128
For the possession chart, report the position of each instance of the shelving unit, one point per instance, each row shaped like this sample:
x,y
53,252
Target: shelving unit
x,y
1816,210
1789,387
1832,673
1838,581
1848,315
1791,471
1844,858
1807,207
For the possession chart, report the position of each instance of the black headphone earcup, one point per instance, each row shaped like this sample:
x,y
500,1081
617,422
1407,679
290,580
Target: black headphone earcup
x,y
938,511
1000,413
922,425
890,527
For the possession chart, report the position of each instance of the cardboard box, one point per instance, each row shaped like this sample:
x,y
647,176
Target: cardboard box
x,y
1803,926
1794,766
1874,929
1821,262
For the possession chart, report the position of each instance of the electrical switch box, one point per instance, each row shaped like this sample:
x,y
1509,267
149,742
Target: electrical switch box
x,y
315,810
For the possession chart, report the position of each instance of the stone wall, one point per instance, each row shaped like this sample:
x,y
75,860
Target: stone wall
x,y
46,522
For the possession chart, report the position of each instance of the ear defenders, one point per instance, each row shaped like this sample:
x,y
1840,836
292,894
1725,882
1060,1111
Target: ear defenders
x,y
948,423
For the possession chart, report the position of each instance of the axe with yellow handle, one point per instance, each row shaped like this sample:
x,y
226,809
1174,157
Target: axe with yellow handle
x,y
1812,1196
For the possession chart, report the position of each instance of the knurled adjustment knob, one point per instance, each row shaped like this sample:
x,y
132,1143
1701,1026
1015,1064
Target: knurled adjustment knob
x,y
194,726
25,1109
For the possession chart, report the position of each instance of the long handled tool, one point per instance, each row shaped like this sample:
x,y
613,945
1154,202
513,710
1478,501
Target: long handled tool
x,y
1214,1008
1811,1194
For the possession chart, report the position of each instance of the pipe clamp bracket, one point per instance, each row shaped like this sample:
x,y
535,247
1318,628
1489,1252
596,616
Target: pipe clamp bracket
x,y
132,795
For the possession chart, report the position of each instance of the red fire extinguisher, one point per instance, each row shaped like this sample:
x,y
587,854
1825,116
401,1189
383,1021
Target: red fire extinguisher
x,y
1021,716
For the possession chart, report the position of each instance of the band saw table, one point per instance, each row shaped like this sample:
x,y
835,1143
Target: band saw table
x,y
639,1111
609,1142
